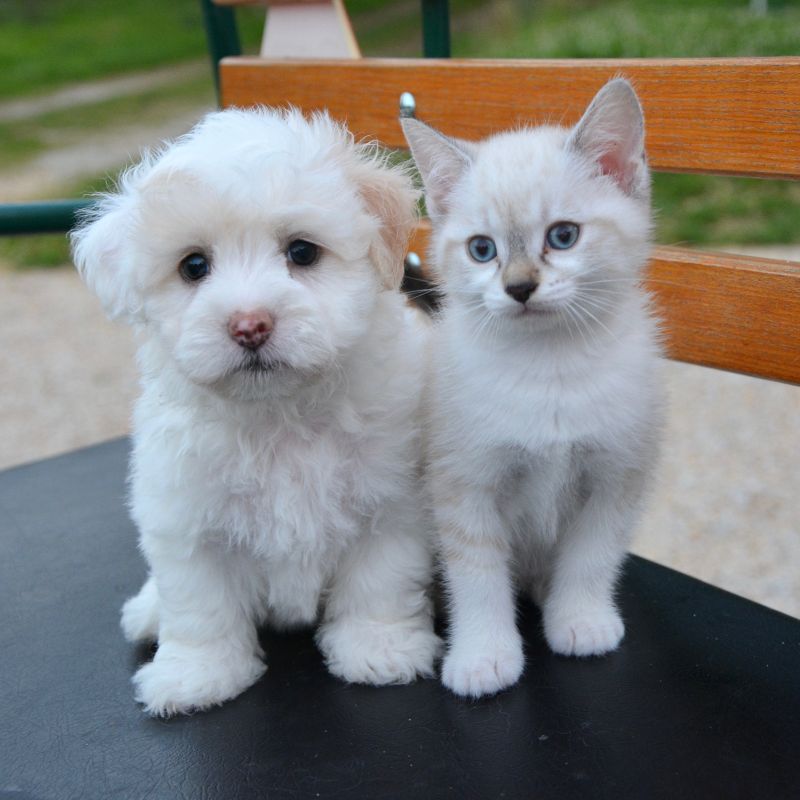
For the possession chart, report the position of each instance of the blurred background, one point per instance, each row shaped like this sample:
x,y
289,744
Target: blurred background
x,y
86,84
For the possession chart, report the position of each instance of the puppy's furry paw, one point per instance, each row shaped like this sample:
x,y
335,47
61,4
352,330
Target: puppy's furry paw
x,y
589,634
139,620
475,671
181,678
360,651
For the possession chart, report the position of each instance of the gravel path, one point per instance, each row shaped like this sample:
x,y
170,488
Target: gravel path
x,y
97,152
725,507
94,151
88,92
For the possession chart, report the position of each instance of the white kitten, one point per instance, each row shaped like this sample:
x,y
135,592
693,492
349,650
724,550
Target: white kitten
x,y
545,401
275,458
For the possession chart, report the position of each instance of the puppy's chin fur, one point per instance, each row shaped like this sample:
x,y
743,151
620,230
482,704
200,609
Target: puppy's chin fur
x,y
278,485
257,380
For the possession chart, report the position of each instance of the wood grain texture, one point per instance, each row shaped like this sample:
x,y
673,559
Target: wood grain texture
x,y
731,312
736,116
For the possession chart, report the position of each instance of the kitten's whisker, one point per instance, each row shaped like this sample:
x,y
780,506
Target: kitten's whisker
x,y
580,315
611,299
483,322
602,281
637,281
601,324
596,302
569,308
566,319
665,283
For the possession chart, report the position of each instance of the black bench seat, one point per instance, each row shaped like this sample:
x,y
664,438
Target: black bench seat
x,y
701,701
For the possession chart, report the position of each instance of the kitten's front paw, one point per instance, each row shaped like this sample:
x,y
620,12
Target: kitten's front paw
x,y
181,679
486,670
589,634
359,651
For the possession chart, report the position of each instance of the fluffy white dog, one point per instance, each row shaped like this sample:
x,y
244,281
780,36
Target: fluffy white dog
x,y
274,469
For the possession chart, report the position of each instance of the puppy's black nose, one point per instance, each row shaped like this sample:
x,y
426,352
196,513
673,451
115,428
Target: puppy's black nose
x,y
250,330
521,291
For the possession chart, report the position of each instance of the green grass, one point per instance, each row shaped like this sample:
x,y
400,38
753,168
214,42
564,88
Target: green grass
x,y
635,29
703,210
35,252
45,44
48,43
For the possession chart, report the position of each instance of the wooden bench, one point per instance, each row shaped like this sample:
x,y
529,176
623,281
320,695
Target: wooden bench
x,y
702,699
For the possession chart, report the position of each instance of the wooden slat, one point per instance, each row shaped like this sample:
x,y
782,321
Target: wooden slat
x,y
731,312
724,116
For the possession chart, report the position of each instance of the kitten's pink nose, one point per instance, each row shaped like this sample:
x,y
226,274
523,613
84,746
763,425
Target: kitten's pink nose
x,y
250,329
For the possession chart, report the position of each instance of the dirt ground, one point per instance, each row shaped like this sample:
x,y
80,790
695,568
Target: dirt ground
x,y
724,509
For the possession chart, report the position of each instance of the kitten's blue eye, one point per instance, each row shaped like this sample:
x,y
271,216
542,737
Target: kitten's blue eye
x,y
194,267
562,235
482,248
302,253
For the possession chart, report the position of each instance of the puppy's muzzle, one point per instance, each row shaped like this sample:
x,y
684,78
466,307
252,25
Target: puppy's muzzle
x,y
250,330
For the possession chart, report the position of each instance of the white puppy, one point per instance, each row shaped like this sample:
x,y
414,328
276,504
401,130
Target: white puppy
x,y
274,469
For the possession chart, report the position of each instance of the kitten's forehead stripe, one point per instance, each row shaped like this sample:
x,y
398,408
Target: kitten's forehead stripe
x,y
517,248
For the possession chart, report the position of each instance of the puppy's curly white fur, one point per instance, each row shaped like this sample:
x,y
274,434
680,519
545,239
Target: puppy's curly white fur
x,y
275,460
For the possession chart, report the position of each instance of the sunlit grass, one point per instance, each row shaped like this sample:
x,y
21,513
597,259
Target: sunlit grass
x,y
635,29
45,44
703,210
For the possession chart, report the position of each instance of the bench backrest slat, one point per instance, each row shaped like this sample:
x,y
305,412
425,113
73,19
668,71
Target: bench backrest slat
x,y
725,116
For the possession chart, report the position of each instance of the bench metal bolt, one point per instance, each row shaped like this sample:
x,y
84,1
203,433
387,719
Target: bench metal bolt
x,y
413,261
408,105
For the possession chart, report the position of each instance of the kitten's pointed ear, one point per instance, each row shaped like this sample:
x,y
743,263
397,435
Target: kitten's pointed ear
x,y
611,133
441,161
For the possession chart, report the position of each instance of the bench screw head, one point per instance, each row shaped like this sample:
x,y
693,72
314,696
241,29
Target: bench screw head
x,y
413,261
408,105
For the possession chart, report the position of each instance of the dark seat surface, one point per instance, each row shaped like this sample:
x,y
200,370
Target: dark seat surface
x,y
702,699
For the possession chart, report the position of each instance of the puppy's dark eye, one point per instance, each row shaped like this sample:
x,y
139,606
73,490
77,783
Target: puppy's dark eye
x,y
562,235
194,267
482,248
302,253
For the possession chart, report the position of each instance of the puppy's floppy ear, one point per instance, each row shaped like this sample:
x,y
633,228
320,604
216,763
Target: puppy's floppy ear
x,y
611,133
101,250
441,162
389,195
